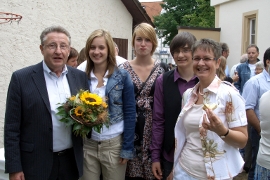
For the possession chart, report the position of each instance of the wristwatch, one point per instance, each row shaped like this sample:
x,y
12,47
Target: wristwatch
x,y
222,137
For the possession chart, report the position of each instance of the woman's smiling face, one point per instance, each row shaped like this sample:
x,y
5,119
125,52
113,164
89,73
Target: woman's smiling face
x,y
205,64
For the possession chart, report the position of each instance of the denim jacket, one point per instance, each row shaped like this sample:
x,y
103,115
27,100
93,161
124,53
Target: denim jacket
x,y
122,106
244,72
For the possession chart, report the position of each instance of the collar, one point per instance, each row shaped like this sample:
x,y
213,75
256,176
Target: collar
x,y
213,87
47,69
177,75
247,62
266,75
105,79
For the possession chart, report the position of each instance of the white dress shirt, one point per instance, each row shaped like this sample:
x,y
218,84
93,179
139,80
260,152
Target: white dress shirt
x,y
58,92
113,130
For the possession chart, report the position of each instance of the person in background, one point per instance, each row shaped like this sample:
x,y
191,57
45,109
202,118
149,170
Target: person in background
x,y
221,70
259,67
170,66
233,72
72,58
225,53
166,109
262,170
212,124
37,145
119,59
143,70
252,92
107,152
247,70
81,57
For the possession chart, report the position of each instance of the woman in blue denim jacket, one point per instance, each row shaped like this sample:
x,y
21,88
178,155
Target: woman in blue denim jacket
x,y
107,152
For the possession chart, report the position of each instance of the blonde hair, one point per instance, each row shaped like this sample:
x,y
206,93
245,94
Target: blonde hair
x,y
147,31
221,70
111,61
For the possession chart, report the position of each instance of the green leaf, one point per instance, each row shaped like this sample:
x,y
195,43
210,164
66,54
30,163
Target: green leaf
x,y
193,13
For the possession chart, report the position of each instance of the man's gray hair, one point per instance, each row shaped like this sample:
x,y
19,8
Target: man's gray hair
x,y
50,29
243,58
259,65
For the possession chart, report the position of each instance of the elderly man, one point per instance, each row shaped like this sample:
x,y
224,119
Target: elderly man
x,y
252,91
247,70
37,144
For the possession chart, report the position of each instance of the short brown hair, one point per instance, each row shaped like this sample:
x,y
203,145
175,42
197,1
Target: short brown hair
x,y
181,40
208,45
73,53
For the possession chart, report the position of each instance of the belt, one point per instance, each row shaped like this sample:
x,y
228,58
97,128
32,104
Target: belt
x,y
63,152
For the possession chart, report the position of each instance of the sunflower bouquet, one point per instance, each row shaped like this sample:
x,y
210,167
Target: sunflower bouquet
x,y
84,111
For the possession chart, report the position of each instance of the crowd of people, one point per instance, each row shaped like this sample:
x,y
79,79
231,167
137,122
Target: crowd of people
x,y
191,121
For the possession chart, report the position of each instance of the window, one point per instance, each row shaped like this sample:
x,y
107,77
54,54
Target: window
x,y
252,31
249,29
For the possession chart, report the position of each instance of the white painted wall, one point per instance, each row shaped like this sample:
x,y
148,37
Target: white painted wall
x,y
230,22
19,44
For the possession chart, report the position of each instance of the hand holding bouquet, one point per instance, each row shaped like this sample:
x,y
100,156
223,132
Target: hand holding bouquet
x,y
84,111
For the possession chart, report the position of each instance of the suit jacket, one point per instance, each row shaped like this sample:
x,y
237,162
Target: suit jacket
x,y
28,138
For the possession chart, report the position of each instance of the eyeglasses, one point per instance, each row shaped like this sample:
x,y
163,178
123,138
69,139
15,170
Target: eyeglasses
x,y
184,51
54,46
205,59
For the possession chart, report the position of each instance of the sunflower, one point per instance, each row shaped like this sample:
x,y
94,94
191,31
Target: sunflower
x,y
91,99
104,105
72,98
78,111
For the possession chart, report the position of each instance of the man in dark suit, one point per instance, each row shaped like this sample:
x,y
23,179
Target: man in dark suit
x,y
37,144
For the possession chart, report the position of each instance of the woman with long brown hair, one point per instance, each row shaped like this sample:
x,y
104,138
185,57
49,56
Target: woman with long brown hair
x,y
107,152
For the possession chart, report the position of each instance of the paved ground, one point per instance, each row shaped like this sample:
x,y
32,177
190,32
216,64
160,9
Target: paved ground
x,y
241,176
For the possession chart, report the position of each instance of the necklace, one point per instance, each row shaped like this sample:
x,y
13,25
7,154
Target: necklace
x,y
200,92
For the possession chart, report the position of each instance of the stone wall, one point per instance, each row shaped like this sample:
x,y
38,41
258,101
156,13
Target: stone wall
x,y
19,43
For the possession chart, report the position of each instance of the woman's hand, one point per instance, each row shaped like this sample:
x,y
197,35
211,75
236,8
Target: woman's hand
x,y
235,77
123,161
170,177
237,136
214,124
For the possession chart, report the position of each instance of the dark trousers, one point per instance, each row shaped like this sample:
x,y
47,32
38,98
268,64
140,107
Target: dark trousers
x,y
255,140
167,167
248,151
64,166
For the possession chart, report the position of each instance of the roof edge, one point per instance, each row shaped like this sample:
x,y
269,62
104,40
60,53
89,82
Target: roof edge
x,y
198,28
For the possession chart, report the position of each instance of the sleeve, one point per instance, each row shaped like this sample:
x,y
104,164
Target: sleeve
x,y
12,125
251,94
158,121
238,116
129,110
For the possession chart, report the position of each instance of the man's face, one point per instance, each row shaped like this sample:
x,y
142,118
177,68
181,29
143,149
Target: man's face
x,y
252,55
183,57
55,51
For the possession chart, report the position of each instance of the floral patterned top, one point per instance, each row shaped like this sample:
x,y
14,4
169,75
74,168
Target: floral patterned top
x,y
222,161
141,165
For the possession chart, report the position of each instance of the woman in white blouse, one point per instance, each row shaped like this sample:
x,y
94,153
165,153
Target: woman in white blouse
x,y
212,124
107,152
